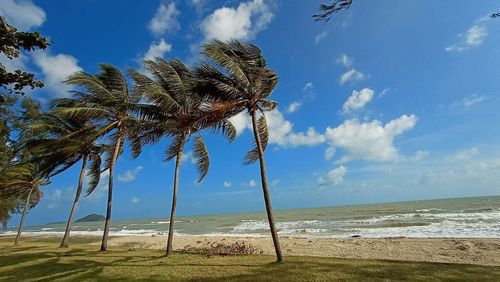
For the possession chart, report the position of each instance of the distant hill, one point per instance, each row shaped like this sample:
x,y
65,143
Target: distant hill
x,y
91,217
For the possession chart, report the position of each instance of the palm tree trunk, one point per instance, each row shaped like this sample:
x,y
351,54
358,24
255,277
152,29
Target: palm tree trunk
x,y
174,196
104,244
265,189
65,240
21,224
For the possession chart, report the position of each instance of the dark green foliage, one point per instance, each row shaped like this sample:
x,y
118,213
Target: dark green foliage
x,y
91,218
11,42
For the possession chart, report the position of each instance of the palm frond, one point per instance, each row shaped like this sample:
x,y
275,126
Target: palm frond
x,y
200,157
253,155
94,173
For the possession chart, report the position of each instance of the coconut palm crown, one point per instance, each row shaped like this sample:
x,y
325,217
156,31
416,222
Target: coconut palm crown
x,y
109,104
173,110
237,76
69,141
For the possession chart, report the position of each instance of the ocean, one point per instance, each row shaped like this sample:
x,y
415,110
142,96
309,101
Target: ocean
x,y
477,217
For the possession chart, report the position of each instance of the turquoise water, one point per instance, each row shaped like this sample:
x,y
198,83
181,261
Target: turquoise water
x,y
462,217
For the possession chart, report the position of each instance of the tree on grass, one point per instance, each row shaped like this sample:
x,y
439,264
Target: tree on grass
x,y
109,103
242,80
68,141
175,111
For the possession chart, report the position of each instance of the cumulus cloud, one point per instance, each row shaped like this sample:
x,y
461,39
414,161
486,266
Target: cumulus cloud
x,y
165,19
369,140
280,130
22,14
320,36
474,37
157,50
243,22
358,100
227,183
333,177
56,68
351,75
130,174
134,200
293,107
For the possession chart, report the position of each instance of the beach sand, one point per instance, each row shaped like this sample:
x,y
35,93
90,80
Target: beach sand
x,y
445,250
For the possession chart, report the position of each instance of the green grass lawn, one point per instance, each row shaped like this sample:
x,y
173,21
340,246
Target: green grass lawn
x,y
40,259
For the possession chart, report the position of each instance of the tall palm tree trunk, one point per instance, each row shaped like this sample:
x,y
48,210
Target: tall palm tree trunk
x,y
104,244
65,240
265,189
21,224
174,196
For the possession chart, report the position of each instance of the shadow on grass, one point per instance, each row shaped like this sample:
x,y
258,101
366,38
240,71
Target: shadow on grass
x,y
49,264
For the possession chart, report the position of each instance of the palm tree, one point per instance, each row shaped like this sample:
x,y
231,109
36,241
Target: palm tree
x,y
174,111
70,141
327,10
241,80
22,180
109,103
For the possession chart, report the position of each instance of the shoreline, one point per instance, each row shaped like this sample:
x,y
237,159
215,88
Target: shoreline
x,y
479,251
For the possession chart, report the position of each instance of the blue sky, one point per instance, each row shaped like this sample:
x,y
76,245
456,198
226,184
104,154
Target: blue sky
x,y
389,101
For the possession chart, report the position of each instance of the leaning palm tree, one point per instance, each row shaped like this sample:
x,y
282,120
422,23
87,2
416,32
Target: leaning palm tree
x,y
109,103
22,180
241,81
69,141
175,111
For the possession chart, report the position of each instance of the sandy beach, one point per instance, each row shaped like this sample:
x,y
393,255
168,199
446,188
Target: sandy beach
x,y
444,250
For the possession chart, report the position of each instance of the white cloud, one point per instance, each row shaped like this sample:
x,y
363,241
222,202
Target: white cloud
x,y
464,154
333,177
420,155
474,37
345,60
157,50
187,156
351,76
320,36
252,183
369,140
227,183
134,200
358,99
329,153
275,182
310,138
243,23
23,15
293,107
384,92
280,130
241,122
164,20
56,68
469,101
18,63
308,86
130,174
